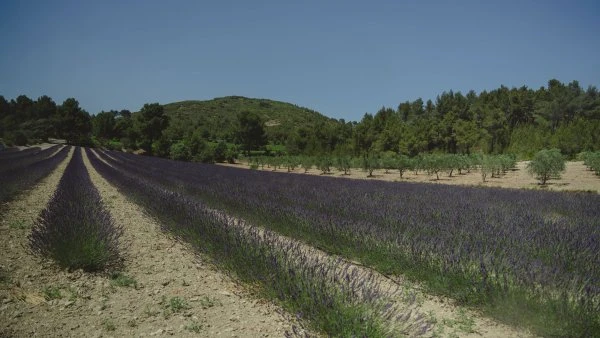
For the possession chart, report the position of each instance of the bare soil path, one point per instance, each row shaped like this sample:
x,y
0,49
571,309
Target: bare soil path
x,y
163,290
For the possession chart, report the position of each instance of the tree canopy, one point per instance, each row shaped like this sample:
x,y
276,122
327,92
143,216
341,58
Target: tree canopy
x,y
520,121
250,131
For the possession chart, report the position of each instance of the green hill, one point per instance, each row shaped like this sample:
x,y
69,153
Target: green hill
x,y
217,118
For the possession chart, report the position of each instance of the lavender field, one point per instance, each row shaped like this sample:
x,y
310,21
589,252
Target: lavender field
x,y
530,258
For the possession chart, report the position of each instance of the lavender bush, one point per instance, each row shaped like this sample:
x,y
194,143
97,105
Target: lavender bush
x,y
75,230
19,179
26,159
522,256
324,291
13,153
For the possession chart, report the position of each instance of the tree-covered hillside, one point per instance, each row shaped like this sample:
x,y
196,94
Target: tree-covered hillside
x,y
518,121
216,119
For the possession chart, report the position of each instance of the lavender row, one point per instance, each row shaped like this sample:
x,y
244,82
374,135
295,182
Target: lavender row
x,y
14,181
14,154
483,243
334,297
25,160
516,226
75,229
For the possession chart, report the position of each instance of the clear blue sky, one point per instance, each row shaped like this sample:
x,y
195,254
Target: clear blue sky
x,y
342,58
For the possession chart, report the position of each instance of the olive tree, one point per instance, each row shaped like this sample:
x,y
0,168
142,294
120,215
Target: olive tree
x,y
343,163
547,164
307,163
324,164
402,164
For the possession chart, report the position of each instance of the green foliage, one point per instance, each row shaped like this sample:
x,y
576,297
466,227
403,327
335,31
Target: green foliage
x,y
433,164
52,292
218,118
494,165
73,123
180,151
274,162
403,163
307,162
4,276
388,162
161,147
150,123
519,121
208,302
220,152
174,305
15,138
120,279
104,125
290,162
369,163
250,132
324,164
194,327
109,325
343,163
547,164
591,160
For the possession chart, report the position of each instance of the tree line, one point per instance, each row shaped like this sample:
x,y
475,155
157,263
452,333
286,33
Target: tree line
x,y
519,121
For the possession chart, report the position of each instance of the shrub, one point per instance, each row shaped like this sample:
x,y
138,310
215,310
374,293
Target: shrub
x,y
74,229
180,151
547,164
220,152
17,138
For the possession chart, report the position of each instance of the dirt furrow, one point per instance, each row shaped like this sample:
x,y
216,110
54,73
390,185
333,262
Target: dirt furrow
x,y
164,270
24,310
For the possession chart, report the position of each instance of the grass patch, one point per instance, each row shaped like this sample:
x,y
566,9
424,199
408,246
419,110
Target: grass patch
x,y
122,280
109,325
4,276
18,224
51,292
174,305
149,311
207,302
195,327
